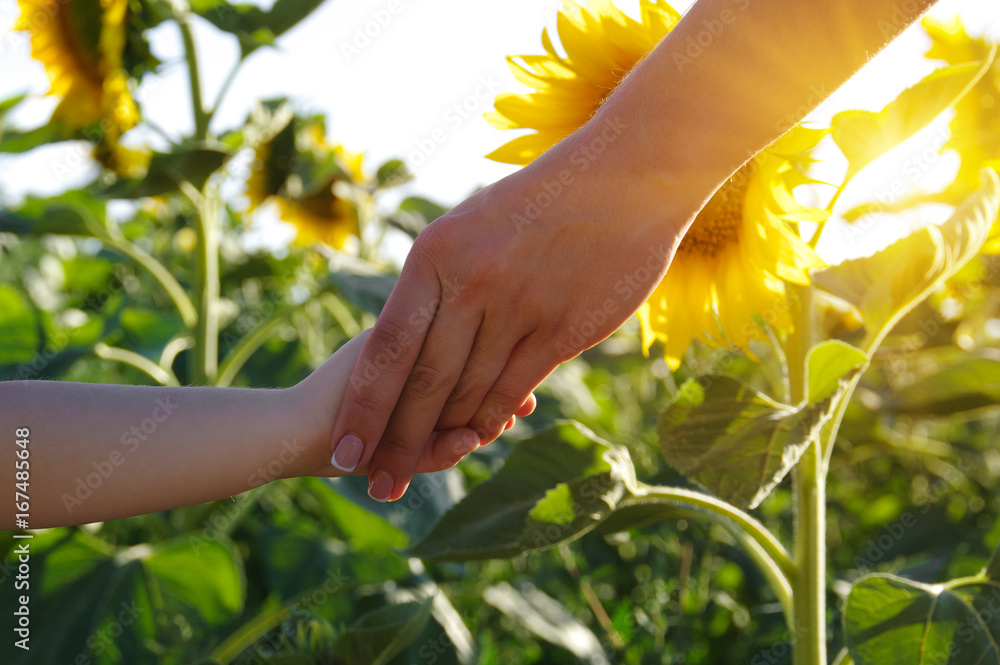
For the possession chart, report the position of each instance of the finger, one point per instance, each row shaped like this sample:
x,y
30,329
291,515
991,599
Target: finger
x,y
528,407
382,369
432,378
446,449
528,366
443,450
484,366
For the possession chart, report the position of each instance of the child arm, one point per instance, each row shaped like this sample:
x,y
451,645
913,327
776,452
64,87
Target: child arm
x,y
100,452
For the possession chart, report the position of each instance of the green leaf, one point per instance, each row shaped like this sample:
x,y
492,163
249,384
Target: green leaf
x,y
253,26
204,576
889,283
300,556
17,141
393,173
554,487
148,331
396,524
365,530
961,385
863,136
7,104
828,363
363,284
19,327
75,212
888,619
379,635
76,577
547,618
414,214
191,164
732,440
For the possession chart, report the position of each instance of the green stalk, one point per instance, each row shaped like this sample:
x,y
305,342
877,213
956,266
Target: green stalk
x,y
201,117
759,543
110,234
809,629
206,350
159,374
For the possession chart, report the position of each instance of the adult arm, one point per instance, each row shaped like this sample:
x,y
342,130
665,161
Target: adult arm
x,y
496,294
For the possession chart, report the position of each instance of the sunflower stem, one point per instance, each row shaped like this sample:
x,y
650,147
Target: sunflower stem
x,y
206,349
809,584
201,117
759,543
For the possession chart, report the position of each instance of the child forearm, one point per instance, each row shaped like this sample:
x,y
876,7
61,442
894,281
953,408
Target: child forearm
x,y
99,452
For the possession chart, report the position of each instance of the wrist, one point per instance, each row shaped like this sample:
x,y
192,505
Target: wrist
x,y
610,187
309,424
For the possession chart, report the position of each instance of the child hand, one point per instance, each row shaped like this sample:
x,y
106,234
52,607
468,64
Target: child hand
x,y
319,396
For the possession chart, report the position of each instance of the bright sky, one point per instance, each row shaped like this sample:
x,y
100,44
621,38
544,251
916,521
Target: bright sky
x,y
416,89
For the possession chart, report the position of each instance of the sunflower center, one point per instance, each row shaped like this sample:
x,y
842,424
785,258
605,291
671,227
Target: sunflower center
x,y
718,224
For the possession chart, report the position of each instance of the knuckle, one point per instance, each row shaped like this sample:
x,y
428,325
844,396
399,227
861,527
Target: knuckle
x,y
426,381
392,447
489,422
369,403
387,342
461,393
505,399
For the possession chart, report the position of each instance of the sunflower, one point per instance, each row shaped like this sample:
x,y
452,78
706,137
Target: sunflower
x,y
739,252
316,209
81,44
602,44
975,129
734,261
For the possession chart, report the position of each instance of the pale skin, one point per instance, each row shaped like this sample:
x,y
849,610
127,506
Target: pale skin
x,y
102,452
488,305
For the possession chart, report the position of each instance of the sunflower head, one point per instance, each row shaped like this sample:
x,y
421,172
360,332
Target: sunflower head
x,y
601,45
308,179
82,45
729,273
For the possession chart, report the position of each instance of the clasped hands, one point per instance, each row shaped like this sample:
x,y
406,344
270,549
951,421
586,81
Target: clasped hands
x,y
493,296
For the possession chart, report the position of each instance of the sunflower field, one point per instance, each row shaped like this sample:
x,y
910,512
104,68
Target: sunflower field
x,y
785,458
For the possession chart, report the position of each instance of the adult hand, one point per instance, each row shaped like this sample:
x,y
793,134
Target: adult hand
x,y
524,275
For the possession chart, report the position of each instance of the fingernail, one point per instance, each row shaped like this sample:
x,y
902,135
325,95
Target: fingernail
x,y
381,486
348,453
466,444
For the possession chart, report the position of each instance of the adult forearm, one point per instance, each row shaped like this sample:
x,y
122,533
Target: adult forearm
x,y
99,452
728,80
